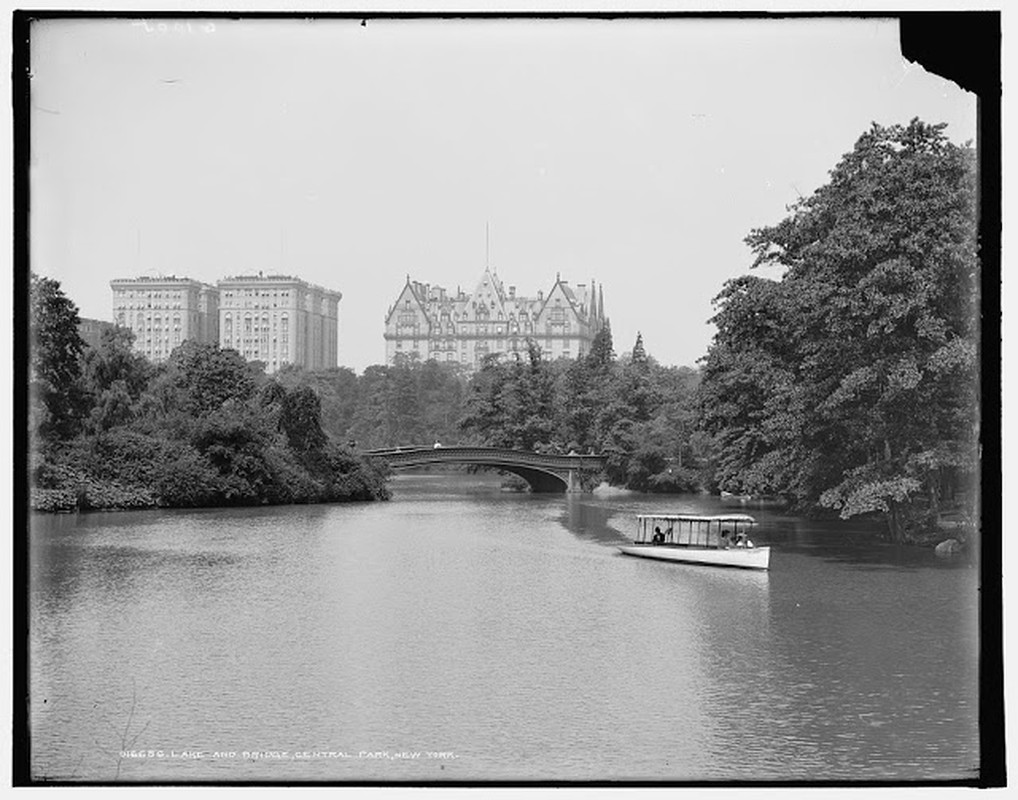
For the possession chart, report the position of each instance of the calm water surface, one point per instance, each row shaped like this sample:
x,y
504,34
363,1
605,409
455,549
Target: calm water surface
x,y
496,636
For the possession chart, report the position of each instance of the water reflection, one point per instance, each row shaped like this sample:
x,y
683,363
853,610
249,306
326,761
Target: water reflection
x,y
591,520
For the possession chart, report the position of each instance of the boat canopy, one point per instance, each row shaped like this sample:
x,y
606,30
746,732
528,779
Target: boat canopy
x,y
741,518
693,529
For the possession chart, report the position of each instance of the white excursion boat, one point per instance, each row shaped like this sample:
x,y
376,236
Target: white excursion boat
x,y
721,541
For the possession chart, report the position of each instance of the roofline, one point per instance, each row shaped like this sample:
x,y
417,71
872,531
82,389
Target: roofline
x,y
270,279
170,279
413,293
699,517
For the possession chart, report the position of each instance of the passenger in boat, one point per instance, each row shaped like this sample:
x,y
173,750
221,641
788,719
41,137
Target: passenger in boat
x,y
725,543
659,538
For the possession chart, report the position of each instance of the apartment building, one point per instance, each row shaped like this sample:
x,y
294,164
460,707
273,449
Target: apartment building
x,y
279,320
163,312
427,322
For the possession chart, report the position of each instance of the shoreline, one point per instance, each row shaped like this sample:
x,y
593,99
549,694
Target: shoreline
x,y
67,501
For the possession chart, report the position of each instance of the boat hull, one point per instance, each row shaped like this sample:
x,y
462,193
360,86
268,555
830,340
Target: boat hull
x,y
741,557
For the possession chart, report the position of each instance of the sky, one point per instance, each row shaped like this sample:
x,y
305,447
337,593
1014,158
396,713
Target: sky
x,y
635,153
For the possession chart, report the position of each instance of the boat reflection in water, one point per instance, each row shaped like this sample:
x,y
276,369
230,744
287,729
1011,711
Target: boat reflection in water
x,y
721,541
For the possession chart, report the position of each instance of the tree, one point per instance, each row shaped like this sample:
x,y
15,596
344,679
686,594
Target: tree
x,y
750,394
577,409
442,389
639,354
337,389
601,355
404,413
867,401
486,414
300,420
114,377
205,377
236,442
585,391
56,349
370,424
528,401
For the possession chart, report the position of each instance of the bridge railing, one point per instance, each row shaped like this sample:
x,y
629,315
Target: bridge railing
x,y
495,455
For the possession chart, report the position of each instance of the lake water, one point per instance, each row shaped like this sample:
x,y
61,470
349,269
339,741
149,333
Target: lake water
x,y
463,633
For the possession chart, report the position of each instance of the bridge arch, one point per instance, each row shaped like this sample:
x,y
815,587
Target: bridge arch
x,y
545,473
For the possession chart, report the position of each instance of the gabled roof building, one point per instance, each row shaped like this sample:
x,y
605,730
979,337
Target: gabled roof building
x,y
427,322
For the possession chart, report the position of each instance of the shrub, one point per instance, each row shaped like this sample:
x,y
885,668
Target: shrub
x,y
186,480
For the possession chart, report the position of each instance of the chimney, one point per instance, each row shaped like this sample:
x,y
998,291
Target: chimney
x,y
512,292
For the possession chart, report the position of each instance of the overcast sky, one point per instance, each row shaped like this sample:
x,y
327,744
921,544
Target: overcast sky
x,y
637,153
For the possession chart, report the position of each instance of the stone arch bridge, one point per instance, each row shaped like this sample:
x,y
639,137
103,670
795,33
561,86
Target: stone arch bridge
x,y
545,472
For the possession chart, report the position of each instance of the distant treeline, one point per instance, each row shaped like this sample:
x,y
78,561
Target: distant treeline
x,y
848,385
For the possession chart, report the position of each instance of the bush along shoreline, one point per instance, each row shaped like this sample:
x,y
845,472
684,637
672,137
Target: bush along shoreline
x,y
189,481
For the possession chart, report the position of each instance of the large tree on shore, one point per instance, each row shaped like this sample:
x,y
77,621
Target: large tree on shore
x,y
115,376
57,393
853,381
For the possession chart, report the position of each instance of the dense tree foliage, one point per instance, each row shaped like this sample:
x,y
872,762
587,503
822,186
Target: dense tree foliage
x,y
409,403
637,413
852,381
115,377
56,392
206,428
